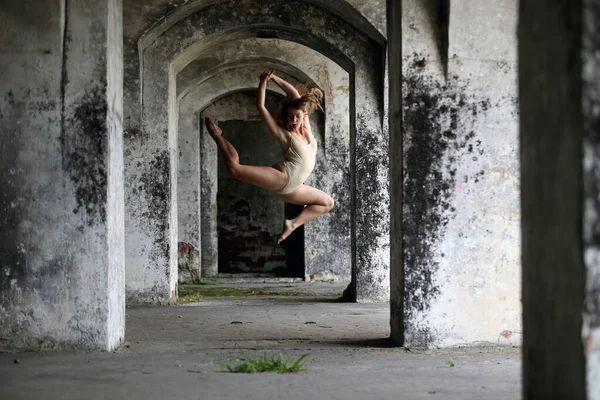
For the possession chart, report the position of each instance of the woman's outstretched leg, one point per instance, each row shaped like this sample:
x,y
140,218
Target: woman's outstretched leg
x,y
230,154
266,177
316,201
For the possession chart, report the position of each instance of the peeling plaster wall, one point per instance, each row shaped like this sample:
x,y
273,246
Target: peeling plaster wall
x,y
196,33
241,62
461,174
62,266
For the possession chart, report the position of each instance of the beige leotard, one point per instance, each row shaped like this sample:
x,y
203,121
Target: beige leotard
x,y
299,163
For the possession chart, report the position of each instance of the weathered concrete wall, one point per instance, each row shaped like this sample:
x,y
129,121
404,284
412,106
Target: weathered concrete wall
x,y
151,195
61,173
184,38
461,197
552,125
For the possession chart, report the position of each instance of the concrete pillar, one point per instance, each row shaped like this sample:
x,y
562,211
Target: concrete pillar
x,y
151,194
394,59
560,169
209,251
61,172
456,271
188,183
369,166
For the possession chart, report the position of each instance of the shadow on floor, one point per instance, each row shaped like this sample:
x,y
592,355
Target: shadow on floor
x,y
383,343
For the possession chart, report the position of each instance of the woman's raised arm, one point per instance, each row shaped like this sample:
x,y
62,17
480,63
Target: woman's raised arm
x,y
262,110
289,90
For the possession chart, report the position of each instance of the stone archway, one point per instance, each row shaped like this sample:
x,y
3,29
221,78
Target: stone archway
x,y
238,65
152,236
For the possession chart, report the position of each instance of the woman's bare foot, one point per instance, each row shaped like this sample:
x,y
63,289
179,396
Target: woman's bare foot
x,y
288,228
212,128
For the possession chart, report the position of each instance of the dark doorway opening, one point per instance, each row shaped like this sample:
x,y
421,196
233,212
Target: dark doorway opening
x,y
248,216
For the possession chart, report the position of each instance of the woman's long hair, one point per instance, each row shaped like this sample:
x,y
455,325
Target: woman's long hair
x,y
309,101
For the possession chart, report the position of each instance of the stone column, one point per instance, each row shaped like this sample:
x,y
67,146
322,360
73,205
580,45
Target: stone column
x,y
209,243
460,269
370,187
151,200
394,59
560,169
188,193
61,173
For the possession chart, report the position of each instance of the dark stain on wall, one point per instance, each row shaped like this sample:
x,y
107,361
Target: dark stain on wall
x,y
84,144
334,228
340,192
156,186
437,133
11,209
130,131
439,16
371,158
426,190
10,234
20,200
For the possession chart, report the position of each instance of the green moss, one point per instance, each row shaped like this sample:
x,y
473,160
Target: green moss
x,y
219,292
265,363
53,346
189,297
206,281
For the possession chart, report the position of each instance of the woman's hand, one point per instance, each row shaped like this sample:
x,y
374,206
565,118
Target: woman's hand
x,y
266,76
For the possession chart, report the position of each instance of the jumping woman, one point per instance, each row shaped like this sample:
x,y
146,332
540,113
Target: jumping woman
x,y
291,129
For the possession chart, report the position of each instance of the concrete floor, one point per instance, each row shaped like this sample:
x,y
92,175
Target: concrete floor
x,y
178,351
